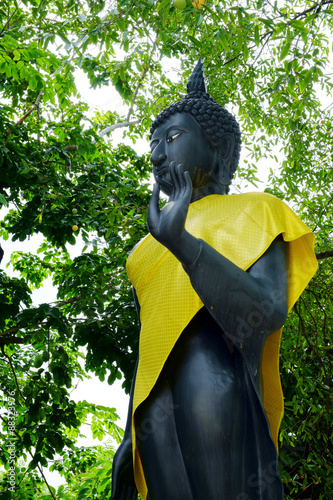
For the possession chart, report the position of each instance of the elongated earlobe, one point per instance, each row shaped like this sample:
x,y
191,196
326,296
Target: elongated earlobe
x,y
226,153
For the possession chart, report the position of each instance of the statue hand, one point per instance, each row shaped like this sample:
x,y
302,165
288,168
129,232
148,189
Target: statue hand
x,y
123,485
168,225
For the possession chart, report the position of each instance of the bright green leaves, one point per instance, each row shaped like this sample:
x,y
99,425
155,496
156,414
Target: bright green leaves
x,y
25,63
307,397
87,471
223,37
305,78
245,52
256,35
285,49
3,200
14,293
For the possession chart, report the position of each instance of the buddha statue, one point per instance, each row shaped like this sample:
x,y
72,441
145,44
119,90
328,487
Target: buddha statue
x,y
213,283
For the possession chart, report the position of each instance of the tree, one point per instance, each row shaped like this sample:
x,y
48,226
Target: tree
x,y
62,176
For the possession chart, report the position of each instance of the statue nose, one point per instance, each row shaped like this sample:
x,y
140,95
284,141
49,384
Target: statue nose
x,y
157,159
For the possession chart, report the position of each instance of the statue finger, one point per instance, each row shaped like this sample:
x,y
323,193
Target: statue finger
x,y
181,177
188,187
174,177
154,199
154,209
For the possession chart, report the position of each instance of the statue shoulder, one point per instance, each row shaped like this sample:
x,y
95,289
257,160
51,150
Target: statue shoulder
x,y
255,197
263,203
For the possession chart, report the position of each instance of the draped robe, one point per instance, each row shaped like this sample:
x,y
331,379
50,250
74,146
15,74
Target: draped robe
x,y
241,228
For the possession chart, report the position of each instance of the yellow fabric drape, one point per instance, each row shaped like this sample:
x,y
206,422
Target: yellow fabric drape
x,y
240,227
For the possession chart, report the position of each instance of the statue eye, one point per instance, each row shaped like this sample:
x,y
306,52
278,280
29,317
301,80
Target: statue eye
x,y
172,137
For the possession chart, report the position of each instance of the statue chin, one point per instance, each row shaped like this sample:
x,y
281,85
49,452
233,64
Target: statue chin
x,y
166,186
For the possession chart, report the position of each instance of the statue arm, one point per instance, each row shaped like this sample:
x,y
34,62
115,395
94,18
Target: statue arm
x,y
242,302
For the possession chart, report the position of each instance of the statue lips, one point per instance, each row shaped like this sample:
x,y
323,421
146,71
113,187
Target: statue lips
x,y
162,177
161,170
161,173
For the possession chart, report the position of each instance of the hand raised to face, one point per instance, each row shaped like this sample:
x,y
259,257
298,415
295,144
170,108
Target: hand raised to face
x,y
168,225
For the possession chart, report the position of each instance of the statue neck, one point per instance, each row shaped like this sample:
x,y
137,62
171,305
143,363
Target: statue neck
x,y
207,189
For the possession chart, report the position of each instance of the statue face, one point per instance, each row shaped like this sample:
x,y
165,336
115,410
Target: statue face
x,y
180,139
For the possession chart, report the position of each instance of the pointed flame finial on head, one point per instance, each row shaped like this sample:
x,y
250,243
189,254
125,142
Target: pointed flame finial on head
x,y
196,82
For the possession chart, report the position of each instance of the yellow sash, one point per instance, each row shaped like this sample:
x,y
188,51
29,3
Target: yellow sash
x,y
241,227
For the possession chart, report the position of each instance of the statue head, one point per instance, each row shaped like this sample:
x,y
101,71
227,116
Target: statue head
x,y
219,126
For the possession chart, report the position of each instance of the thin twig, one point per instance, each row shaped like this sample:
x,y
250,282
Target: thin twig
x,y
35,106
65,302
7,22
13,371
117,125
28,113
135,95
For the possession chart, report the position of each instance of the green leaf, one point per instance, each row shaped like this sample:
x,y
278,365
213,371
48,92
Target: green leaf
x,y
305,80
256,35
3,200
64,38
275,100
285,50
224,42
245,52
194,41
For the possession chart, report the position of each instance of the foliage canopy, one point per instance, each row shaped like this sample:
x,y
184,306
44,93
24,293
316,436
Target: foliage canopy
x,y
269,63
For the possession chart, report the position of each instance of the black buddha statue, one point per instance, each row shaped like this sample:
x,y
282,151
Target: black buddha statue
x,y
212,288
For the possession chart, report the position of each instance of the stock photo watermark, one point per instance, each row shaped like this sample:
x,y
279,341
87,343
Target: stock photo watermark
x,y
260,481
11,416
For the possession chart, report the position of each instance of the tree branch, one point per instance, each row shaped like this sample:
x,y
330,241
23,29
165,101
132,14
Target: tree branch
x,y
269,33
11,340
35,106
65,302
142,77
13,371
117,125
6,25
28,113
130,111
317,6
17,328
324,255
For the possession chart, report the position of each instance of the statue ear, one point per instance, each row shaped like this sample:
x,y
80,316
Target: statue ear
x,y
227,146
225,156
